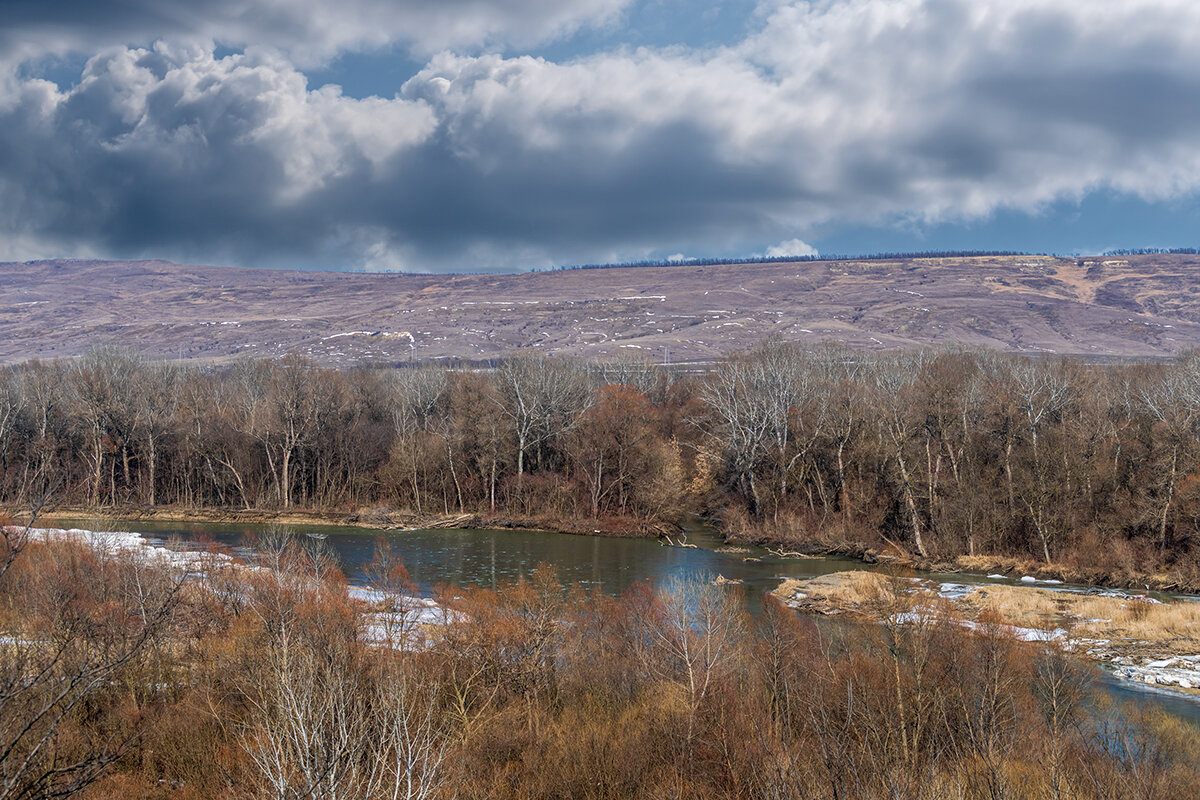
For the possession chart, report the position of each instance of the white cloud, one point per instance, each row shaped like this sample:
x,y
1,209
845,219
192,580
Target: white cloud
x,y
861,110
176,148
847,111
169,104
792,247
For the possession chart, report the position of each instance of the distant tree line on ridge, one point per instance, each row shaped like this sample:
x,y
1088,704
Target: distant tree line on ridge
x,y
711,262
1154,251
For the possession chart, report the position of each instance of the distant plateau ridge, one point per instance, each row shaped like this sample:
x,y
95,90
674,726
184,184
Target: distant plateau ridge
x,y
1138,306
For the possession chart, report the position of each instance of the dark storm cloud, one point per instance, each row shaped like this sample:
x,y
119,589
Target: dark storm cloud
x,y
572,202
1142,106
850,111
306,30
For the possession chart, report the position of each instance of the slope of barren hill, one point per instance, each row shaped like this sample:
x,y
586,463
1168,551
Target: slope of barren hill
x,y
1136,306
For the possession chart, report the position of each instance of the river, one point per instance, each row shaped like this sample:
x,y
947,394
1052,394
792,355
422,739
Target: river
x,y
492,557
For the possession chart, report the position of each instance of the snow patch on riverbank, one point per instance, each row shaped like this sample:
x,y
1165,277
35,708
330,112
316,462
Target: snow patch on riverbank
x,y
1022,634
397,620
1180,671
401,620
195,561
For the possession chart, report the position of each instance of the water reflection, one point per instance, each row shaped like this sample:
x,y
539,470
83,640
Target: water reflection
x,y
490,558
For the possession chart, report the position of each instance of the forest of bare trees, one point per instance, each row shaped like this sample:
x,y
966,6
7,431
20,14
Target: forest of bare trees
x,y
937,454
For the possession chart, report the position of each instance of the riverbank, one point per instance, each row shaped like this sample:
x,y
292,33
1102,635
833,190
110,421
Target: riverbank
x,y
1135,636
1107,578
371,518
390,519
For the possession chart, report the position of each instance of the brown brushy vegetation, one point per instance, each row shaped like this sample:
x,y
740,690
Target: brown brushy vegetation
x,y
1078,470
264,683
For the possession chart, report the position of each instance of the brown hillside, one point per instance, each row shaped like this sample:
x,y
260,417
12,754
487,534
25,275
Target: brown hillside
x,y
1136,306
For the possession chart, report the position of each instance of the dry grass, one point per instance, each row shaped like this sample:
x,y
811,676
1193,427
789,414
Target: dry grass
x,y
1178,623
1023,606
1171,628
1109,570
856,591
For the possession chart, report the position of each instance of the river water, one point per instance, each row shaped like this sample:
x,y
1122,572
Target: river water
x,y
490,558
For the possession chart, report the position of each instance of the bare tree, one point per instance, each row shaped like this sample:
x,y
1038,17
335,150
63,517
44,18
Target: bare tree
x,y
1061,688
12,404
985,677
1042,394
282,408
633,369
310,727
155,400
330,718
420,408
755,403
42,386
542,398
410,759
844,397
1174,403
99,384
222,425
694,630
893,381
328,729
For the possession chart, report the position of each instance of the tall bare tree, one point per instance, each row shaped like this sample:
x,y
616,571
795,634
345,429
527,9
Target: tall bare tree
x,y
542,397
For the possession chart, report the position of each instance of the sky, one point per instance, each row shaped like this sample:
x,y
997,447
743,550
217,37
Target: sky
x,y
461,135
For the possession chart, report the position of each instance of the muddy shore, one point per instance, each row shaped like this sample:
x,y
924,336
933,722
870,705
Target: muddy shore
x,y
373,518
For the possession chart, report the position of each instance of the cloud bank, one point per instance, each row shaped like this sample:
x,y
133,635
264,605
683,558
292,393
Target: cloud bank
x,y
306,31
829,112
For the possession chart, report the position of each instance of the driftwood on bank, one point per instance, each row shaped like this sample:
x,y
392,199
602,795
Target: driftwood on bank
x,y
667,541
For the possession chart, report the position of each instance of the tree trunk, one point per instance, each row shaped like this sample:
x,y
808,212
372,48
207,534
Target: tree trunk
x,y
1162,526
492,487
125,466
286,478
454,475
911,502
1008,473
98,465
152,465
